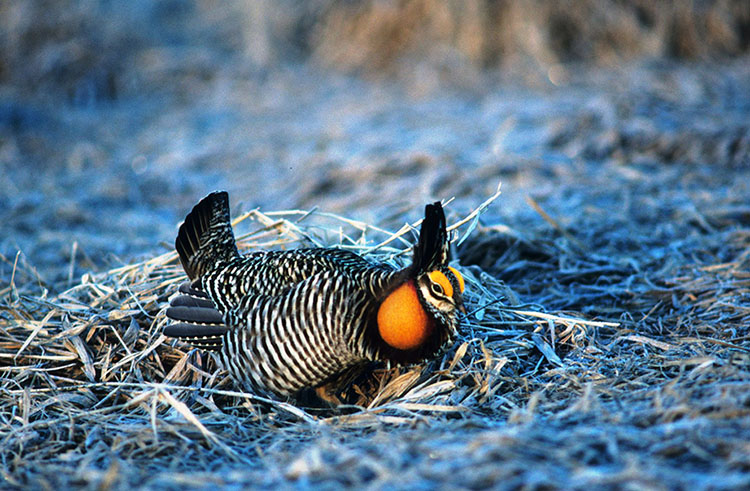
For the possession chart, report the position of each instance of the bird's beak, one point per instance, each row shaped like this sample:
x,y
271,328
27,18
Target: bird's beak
x,y
461,306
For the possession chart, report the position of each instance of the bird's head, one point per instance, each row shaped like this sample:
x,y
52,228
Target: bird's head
x,y
420,314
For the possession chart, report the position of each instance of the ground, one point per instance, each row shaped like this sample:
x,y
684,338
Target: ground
x,y
623,217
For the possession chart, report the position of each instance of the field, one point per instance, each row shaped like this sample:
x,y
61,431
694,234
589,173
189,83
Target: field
x,y
608,276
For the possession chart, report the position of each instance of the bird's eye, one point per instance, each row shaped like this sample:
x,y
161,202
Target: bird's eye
x,y
437,289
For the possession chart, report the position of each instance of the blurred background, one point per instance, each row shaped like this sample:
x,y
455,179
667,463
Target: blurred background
x,y
116,117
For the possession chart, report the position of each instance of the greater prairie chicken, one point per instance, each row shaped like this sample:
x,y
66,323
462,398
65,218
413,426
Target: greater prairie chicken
x,y
283,321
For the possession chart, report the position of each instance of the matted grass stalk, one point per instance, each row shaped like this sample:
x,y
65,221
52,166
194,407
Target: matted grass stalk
x,y
95,350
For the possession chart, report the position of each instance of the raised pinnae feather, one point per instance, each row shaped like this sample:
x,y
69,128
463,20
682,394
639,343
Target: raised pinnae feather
x,y
432,250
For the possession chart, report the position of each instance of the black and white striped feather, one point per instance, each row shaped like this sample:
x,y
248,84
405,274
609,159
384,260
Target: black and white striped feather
x,y
283,321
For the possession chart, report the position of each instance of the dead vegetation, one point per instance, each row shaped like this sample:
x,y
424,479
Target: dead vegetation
x,y
609,337
92,393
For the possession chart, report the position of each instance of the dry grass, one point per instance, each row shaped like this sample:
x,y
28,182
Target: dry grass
x,y
91,392
609,334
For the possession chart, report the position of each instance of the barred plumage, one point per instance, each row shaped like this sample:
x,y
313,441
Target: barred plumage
x,y
283,321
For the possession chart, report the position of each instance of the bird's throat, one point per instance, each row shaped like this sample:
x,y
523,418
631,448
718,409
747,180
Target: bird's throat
x,y
403,322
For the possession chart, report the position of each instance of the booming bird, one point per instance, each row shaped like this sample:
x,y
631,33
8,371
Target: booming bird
x,y
284,321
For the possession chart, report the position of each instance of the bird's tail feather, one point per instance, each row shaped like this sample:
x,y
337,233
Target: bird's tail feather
x,y
205,237
197,321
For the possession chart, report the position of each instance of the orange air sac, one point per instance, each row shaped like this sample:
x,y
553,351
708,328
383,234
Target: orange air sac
x,y
402,321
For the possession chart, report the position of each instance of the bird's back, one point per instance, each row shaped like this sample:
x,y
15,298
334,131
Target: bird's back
x,y
273,273
280,320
